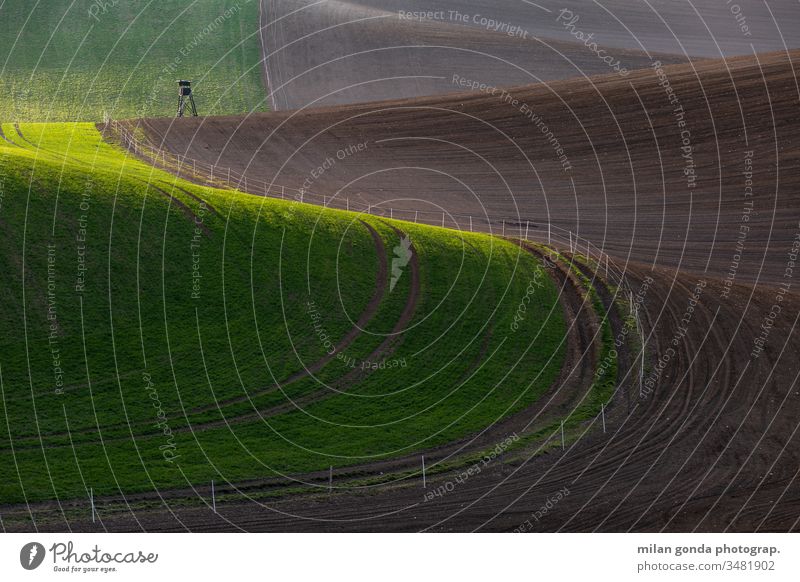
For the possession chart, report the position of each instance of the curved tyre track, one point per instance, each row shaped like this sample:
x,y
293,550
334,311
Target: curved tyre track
x,y
574,381
364,318
687,447
385,350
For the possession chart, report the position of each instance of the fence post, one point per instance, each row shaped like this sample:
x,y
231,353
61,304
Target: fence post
x,y
424,482
470,223
527,226
504,228
442,218
603,415
415,216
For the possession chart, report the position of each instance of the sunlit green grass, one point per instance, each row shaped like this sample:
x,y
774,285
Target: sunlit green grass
x,y
85,60
261,262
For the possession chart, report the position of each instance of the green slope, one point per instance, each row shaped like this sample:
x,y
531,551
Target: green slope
x,y
109,340
68,61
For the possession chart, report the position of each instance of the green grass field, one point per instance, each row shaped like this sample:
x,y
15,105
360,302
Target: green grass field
x,y
147,320
86,60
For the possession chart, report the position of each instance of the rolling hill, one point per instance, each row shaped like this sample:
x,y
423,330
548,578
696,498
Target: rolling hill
x,y
164,334
650,167
335,52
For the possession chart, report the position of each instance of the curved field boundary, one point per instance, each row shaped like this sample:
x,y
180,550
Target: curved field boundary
x,y
222,176
643,475
573,383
